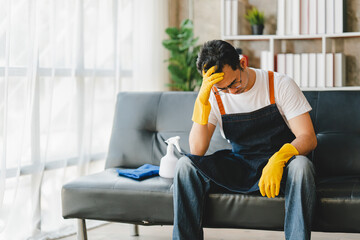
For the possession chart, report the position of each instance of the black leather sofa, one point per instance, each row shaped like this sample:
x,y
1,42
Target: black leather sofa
x,y
144,120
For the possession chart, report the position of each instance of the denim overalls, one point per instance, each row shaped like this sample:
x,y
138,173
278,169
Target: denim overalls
x,y
255,137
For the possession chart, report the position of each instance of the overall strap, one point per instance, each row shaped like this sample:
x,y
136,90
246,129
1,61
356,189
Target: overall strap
x,y
271,87
219,102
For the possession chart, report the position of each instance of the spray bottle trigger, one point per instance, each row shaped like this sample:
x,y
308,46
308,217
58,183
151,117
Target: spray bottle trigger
x,y
174,141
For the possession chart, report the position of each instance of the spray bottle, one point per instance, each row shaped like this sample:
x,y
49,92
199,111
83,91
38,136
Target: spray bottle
x,y
168,162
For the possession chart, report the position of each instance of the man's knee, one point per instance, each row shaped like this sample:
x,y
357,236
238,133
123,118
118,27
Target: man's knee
x,y
184,166
301,166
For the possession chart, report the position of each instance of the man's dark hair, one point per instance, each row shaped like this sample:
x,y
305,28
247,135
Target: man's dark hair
x,y
217,52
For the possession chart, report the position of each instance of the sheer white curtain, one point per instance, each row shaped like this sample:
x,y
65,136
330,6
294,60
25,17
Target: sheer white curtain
x,y
61,64
149,54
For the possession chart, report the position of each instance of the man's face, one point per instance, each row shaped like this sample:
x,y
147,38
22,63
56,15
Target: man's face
x,y
233,81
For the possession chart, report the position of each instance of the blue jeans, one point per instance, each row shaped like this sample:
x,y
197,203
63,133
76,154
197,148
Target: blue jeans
x,y
191,188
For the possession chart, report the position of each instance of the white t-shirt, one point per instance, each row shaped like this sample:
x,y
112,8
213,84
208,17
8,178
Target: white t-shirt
x,y
289,99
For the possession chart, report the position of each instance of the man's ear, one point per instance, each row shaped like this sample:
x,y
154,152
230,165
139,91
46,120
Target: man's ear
x,y
243,63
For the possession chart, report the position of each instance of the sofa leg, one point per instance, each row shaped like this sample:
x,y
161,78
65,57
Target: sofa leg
x,y
81,229
134,230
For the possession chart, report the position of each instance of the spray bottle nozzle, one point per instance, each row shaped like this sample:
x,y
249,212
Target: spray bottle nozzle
x,y
174,141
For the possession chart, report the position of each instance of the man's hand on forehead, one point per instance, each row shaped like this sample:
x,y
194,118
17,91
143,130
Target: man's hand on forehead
x,y
207,67
202,106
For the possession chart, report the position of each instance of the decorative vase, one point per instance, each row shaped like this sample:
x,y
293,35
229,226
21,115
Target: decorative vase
x,y
257,29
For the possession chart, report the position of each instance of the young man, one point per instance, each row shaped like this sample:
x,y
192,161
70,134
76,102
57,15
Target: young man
x,y
266,118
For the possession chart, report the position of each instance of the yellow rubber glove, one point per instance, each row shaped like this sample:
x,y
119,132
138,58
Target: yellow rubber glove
x,y
269,183
202,106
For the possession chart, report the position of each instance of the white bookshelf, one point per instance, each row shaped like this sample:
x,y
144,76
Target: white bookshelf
x,y
273,40
290,37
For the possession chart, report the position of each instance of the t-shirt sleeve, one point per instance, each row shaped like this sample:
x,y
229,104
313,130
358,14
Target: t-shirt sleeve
x,y
214,109
291,99
212,118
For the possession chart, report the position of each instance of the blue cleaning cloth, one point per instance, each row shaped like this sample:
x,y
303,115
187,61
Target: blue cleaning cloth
x,y
143,172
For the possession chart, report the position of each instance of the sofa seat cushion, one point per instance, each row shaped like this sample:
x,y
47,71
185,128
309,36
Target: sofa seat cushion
x,y
107,196
339,199
251,211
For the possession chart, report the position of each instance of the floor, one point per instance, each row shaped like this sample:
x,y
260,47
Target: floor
x,y
119,231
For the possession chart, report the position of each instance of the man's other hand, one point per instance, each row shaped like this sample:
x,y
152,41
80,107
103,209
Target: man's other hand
x,y
269,183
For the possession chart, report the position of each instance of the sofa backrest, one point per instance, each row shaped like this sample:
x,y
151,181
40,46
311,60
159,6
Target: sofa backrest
x,y
143,121
336,119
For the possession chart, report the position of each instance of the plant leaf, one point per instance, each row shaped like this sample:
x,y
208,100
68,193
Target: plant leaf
x,y
172,32
183,56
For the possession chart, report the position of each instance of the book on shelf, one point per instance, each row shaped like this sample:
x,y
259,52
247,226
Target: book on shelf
x,y
339,70
270,61
339,16
304,82
329,66
280,17
288,17
313,17
297,69
227,15
295,17
274,59
308,69
312,70
281,65
320,70
310,17
304,17
321,17
234,17
330,16
264,60
289,64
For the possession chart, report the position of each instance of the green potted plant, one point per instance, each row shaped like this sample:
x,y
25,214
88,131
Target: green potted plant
x,y
183,55
256,20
